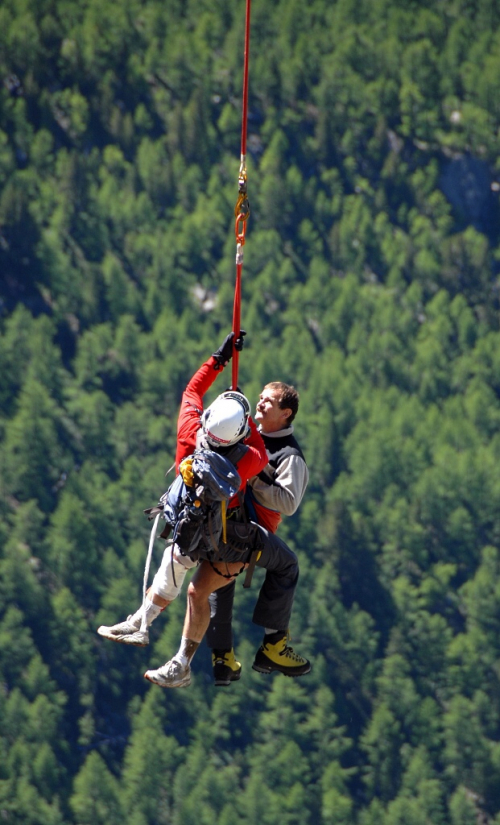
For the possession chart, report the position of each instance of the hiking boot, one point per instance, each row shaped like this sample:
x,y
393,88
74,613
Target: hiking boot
x,y
226,668
171,675
276,655
127,632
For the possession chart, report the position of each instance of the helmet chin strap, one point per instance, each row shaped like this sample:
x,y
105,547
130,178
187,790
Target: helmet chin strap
x,y
201,440
203,443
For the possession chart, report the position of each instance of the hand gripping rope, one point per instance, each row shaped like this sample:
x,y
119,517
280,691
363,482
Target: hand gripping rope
x,y
242,208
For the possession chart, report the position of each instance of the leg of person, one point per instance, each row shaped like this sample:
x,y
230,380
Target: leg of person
x,y
177,671
164,589
220,632
274,607
219,636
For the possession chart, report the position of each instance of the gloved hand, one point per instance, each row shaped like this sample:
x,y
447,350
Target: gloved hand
x,y
239,343
225,352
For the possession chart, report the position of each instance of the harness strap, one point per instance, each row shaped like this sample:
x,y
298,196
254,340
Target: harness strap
x,y
151,512
223,505
212,536
224,575
245,500
254,558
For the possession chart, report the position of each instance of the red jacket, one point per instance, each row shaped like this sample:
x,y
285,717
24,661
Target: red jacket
x,y
189,423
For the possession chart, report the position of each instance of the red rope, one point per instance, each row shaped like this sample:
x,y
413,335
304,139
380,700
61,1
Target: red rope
x,y
245,82
236,325
242,208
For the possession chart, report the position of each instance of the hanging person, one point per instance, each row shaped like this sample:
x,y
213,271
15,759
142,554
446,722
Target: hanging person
x,y
276,597
277,490
228,421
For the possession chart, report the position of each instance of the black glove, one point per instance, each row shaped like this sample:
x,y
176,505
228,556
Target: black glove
x,y
225,352
239,343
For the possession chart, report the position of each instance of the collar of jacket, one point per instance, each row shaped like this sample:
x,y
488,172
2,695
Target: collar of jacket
x,y
278,433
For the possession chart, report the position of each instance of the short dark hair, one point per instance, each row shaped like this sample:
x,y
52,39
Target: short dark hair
x,y
288,397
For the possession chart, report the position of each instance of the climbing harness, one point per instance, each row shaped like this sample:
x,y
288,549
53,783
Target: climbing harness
x,y
242,208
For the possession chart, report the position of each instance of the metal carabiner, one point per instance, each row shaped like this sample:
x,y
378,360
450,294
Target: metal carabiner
x,y
240,227
242,204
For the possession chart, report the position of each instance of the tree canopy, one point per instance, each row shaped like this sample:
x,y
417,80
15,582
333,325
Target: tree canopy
x,y
371,282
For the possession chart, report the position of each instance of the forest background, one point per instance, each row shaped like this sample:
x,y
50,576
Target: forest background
x,y
371,283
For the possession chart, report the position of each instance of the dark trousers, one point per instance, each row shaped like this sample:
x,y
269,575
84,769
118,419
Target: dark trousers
x,y
274,605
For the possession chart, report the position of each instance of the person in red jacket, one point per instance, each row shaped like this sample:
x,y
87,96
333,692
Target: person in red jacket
x,y
225,423
220,427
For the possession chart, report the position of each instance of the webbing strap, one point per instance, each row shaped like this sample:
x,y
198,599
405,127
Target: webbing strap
x,y
152,537
254,558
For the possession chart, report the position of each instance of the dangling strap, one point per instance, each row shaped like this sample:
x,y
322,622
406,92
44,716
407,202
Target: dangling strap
x,y
256,554
254,558
223,505
152,537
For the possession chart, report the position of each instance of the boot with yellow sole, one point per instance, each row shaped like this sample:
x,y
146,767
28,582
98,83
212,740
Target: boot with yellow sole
x,y
275,655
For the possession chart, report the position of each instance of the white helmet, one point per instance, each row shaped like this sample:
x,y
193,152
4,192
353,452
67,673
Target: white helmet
x,y
225,421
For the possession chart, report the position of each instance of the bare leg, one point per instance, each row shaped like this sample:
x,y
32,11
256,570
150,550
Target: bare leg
x,y
177,672
204,582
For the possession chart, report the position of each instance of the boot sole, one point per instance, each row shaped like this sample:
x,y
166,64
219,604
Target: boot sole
x,y
227,682
268,670
123,640
130,644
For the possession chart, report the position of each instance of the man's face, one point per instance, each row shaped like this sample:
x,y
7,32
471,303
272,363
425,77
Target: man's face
x,y
268,412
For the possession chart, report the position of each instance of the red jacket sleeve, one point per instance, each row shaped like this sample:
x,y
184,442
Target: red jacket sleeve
x,y
189,420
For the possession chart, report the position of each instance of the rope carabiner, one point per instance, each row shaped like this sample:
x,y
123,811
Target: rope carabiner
x,y
240,228
242,208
